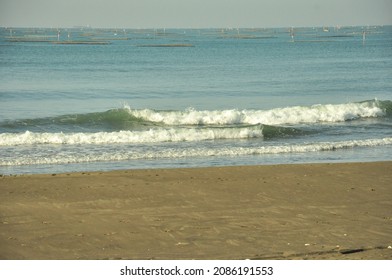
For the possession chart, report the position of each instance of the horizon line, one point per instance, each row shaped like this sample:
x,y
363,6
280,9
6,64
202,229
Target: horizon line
x,y
212,27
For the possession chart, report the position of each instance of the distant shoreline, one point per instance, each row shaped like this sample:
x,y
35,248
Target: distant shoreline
x,y
194,28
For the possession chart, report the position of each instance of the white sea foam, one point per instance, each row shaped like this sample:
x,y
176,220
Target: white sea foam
x,y
122,154
277,116
148,136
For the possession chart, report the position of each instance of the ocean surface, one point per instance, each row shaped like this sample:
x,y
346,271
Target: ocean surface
x,y
83,99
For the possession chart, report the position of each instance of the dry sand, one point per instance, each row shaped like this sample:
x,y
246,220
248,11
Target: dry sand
x,y
312,211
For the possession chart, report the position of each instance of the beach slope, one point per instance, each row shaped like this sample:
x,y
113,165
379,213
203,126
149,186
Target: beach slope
x,y
301,211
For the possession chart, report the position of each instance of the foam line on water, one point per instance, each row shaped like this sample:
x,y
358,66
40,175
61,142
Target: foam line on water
x,y
126,154
175,134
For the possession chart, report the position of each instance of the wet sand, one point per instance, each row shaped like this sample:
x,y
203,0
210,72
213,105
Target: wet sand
x,y
311,211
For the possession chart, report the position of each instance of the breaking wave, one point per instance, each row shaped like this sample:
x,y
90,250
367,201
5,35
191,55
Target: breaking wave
x,y
277,116
135,119
174,134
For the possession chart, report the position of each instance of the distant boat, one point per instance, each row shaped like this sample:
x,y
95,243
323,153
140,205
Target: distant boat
x,y
325,29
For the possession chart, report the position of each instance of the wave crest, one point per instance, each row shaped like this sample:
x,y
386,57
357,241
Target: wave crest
x,y
278,116
141,119
129,137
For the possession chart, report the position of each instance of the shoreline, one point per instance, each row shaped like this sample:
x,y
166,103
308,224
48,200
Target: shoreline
x,y
285,211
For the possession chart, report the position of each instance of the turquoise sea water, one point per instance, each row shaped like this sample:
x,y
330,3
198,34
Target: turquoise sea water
x,y
103,99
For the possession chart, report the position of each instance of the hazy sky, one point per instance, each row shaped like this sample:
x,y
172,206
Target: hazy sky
x,y
194,13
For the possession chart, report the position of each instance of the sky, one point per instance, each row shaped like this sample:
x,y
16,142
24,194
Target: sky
x,y
193,13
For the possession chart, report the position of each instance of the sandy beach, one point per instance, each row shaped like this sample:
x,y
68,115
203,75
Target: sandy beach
x,y
302,211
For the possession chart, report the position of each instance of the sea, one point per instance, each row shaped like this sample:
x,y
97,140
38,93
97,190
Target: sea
x,y
97,99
